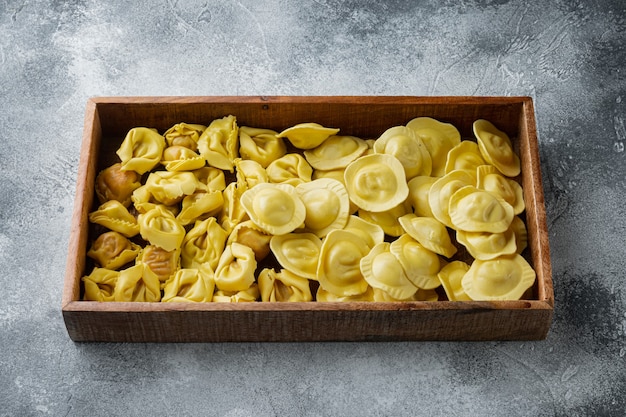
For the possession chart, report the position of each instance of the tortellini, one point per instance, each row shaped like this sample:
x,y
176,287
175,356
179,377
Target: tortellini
x,y
114,216
141,150
112,250
283,286
113,183
219,143
222,213
190,285
260,145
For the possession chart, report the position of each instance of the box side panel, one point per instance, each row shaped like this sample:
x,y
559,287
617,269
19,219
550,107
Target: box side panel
x,y
536,222
308,325
75,264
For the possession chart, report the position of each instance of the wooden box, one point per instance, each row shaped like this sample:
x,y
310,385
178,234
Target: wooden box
x,y
107,121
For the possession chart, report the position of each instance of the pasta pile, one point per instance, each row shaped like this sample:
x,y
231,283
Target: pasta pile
x,y
223,213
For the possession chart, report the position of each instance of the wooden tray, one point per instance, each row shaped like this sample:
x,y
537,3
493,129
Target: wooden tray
x,y
108,119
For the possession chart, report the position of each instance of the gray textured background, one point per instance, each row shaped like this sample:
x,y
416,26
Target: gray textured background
x,y
568,55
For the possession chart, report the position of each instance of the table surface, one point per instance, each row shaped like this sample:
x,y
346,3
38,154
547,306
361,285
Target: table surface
x,y
569,56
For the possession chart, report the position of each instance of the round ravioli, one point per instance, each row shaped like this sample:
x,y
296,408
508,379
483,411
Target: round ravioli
x,y
376,182
502,278
298,253
327,205
485,246
335,152
372,233
275,208
474,210
465,156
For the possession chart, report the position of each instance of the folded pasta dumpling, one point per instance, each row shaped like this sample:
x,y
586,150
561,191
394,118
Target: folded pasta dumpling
x,y
419,264
327,205
490,179
141,149
465,157
190,285
113,183
291,169
502,278
442,190
474,210
248,295
250,172
370,232
235,269
283,286
450,276
249,234
180,158
338,270
382,270
495,147
211,178
429,232
324,296
134,285
159,262
170,188
298,253
408,148
184,134
219,143
200,205
485,245
418,195
112,250
203,243
307,135
388,219
100,285
233,211
114,216
438,137
260,145
335,152
159,227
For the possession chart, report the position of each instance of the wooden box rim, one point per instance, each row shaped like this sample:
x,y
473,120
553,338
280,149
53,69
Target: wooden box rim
x,y
72,307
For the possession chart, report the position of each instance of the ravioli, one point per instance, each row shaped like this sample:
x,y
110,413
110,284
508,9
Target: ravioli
x,y
291,169
490,179
474,210
307,135
260,145
502,278
451,276
275,208
495,147
382,270
298,253
336,152
419,264
376,182
430,233
438,137
339,270
408,148
326,203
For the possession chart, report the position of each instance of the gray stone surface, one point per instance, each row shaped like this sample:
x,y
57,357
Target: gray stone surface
x,y
569,55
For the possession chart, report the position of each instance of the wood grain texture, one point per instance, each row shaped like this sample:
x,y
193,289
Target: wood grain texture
x,y
107,120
